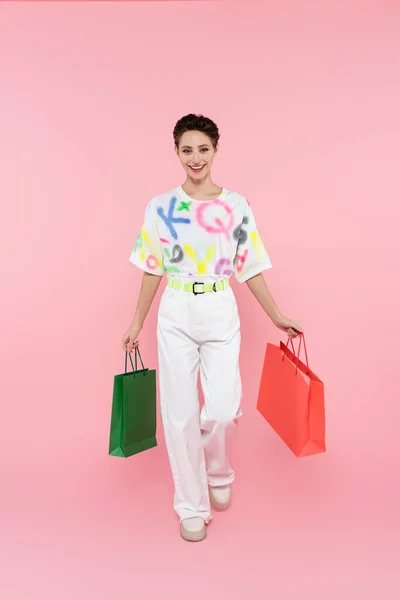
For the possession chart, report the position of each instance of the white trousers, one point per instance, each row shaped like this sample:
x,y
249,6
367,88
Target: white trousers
x,y
198,333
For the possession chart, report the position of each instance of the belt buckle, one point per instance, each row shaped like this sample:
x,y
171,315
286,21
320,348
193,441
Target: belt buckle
x,y
197,283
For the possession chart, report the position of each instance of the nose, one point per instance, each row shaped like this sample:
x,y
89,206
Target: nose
x,y
196,158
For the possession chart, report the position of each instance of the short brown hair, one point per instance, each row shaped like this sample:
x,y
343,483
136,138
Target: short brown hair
x,y
194,122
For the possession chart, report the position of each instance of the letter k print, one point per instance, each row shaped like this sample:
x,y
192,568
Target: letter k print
x,y
169,219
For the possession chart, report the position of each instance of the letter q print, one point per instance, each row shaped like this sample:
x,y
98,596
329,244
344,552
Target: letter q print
x,y
215,217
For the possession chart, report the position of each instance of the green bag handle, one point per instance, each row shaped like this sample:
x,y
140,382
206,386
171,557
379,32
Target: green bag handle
x,y
134,368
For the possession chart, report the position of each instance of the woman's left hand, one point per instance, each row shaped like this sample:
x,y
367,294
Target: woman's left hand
x,y
292,328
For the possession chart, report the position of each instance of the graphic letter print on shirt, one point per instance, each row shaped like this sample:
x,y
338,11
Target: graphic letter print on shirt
x,y
177,254
184,206
152,261
220,267
239,233
258,245
169,219
168,268
241,259
201,264
138,243
212,223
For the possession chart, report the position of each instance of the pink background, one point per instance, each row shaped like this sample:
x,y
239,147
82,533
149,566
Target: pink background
x,y
307,98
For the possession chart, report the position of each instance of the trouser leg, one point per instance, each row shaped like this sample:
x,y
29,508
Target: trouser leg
x,y
178,371
221,383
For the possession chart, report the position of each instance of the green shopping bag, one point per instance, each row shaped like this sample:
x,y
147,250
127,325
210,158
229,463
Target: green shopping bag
x,y
133,415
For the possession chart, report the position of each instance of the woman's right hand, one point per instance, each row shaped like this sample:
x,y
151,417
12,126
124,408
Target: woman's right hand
x,y
129,339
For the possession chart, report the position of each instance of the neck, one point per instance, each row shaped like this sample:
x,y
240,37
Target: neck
x,y
204,185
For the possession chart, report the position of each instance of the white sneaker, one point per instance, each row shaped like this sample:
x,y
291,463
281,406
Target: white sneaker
x,y
193,529
220,497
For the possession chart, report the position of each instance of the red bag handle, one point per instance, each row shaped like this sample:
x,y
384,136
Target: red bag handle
x,y
302,339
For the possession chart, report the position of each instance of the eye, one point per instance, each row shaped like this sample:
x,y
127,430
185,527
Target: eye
x,y
204,149
185,151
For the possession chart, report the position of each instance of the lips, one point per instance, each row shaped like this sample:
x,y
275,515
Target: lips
x,y
197,169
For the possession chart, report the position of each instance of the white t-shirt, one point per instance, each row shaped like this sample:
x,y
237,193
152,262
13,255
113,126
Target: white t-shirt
x,y
191,238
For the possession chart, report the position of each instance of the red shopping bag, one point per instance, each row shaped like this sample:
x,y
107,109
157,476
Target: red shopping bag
x,y
291,399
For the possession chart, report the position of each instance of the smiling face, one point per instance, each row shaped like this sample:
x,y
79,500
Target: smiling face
x,y
196,153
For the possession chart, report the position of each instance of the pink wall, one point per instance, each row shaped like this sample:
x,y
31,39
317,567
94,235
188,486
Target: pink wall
x,y
307,100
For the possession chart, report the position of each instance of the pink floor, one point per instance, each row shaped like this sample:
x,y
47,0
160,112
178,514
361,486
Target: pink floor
x,y
93,526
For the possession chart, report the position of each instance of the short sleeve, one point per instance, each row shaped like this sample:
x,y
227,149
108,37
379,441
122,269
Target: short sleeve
x,y
147,253
251,255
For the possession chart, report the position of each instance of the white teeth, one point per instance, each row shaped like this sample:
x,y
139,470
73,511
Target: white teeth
x,y
197,168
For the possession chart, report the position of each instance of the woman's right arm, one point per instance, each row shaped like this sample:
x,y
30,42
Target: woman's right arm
x,y
148,290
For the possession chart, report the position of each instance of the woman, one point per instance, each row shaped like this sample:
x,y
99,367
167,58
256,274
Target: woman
x,y
200,234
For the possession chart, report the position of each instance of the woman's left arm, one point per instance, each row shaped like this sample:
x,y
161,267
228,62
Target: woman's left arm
x,y
259,289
